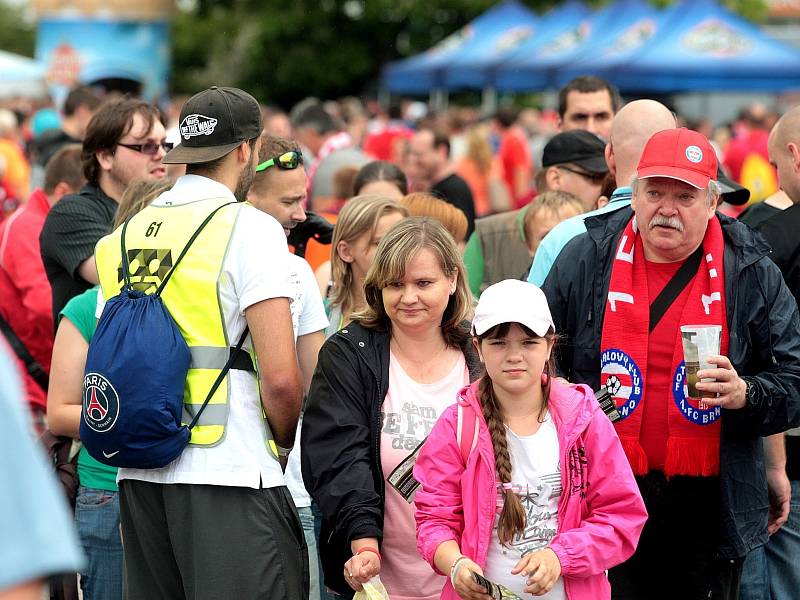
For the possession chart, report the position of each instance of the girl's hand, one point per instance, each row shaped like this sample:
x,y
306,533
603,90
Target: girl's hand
x,y
360,569
465,585
542,568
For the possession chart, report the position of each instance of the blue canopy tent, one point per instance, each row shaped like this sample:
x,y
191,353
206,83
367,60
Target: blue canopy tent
x,y
700,46
470,67
497,27
624,29
21,76
561,29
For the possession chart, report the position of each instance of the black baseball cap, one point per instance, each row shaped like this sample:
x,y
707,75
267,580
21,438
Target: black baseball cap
x,y
732,192
214,122
577,147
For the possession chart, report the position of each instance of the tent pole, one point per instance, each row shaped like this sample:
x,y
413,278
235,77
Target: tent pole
x,y
489,100
384,97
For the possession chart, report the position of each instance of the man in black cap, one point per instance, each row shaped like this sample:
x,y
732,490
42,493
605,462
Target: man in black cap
x,y
572,162
219,520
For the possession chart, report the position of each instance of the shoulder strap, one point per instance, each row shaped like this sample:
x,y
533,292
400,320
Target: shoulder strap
x,y
126,267
674,287
34,369
221,375
467,430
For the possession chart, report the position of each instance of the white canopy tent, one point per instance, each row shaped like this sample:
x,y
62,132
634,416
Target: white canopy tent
x,y
21,76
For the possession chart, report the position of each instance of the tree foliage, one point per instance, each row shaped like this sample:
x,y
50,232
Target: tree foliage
x,y
17,32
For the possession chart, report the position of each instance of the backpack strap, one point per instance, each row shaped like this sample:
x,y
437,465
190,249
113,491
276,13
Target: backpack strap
x,y
221,376
126,276
467,430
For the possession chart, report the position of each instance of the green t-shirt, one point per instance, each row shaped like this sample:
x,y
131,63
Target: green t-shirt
x,y
80,312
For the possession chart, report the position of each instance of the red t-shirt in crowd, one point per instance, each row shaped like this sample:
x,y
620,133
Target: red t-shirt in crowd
x,y
384,143
738,149
514,153
660,350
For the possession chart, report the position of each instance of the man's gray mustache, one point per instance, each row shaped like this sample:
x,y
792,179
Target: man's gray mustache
x,y
673,222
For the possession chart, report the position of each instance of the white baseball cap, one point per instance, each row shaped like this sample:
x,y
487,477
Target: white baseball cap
x,y
513,301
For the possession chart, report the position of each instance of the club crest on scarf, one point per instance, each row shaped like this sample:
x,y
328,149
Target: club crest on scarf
x,y
622,377
689,407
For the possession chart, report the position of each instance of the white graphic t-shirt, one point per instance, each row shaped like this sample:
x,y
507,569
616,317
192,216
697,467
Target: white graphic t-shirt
x,y
536,479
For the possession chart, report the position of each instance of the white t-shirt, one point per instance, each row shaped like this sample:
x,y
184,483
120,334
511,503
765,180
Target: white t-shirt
x,y
255,268
308,316
409,412
536,479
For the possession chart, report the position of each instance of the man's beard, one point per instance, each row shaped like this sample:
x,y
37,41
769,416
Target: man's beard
x,y
244,183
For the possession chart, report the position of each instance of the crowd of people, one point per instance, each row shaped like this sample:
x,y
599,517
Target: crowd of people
x,y
428,356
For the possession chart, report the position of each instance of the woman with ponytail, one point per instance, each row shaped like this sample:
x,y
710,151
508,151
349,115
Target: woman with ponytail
x,y
524,480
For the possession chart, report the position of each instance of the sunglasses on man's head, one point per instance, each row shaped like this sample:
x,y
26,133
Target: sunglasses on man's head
x,y
150,148
595,178
287,161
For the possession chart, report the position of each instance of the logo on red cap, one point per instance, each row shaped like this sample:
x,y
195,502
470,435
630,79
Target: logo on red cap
x,y
694,154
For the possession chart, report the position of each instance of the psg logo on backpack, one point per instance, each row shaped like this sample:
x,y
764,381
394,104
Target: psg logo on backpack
x,y
100,402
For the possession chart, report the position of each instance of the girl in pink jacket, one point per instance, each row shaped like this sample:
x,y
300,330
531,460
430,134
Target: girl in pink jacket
x,y
524,481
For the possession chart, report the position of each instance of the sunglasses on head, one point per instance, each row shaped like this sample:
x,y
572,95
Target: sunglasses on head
x,y
150,148
287,161
595,178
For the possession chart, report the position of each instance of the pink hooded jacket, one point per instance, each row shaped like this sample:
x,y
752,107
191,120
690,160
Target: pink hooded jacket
x,y
601,513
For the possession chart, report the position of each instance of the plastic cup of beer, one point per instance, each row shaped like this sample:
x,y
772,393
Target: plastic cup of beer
x,y
699,342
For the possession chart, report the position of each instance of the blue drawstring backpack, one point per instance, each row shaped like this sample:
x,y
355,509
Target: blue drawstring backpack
x,y
135,374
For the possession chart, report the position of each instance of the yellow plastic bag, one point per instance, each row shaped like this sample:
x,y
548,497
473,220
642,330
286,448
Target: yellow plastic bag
x,y
373,590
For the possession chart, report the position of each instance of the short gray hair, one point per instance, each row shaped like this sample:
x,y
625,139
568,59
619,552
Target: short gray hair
x,y
714,190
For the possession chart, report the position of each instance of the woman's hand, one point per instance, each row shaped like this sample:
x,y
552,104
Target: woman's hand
x,y
364,566
465,585
542,568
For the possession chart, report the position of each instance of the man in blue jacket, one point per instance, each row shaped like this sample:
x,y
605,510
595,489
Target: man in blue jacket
x,y
619,294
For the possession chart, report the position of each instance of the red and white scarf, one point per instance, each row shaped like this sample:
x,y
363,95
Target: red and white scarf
x,y
693,434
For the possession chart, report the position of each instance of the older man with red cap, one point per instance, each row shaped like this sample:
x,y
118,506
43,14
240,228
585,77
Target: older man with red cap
x,y
620,294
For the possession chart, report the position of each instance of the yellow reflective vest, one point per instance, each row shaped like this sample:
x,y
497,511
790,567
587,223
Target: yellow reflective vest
x,y
154,239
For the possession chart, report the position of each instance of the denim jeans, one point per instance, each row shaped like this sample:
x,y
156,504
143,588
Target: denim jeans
x,y
307,519
773,571
324,593
97,521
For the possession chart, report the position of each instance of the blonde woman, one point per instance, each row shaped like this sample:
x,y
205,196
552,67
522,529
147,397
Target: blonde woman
x,y
364,220
381,383
483,173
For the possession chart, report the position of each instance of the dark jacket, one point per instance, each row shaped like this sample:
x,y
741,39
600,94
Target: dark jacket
x,y
341,441
764,348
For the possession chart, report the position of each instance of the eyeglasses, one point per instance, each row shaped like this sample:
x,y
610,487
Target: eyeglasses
x,y
150,148
286,161
595,178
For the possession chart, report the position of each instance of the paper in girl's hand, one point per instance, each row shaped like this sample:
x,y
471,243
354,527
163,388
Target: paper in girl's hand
x,y
495,590
373,590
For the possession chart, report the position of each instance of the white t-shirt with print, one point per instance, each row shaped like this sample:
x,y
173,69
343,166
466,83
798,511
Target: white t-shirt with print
x,y
308,316
256,268
536,479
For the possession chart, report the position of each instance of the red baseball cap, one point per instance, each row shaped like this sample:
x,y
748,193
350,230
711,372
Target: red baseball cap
x,y
680,154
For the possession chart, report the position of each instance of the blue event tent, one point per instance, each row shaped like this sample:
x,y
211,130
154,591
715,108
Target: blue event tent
x,y
621,40
692,45
566,28
501,27
701,46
